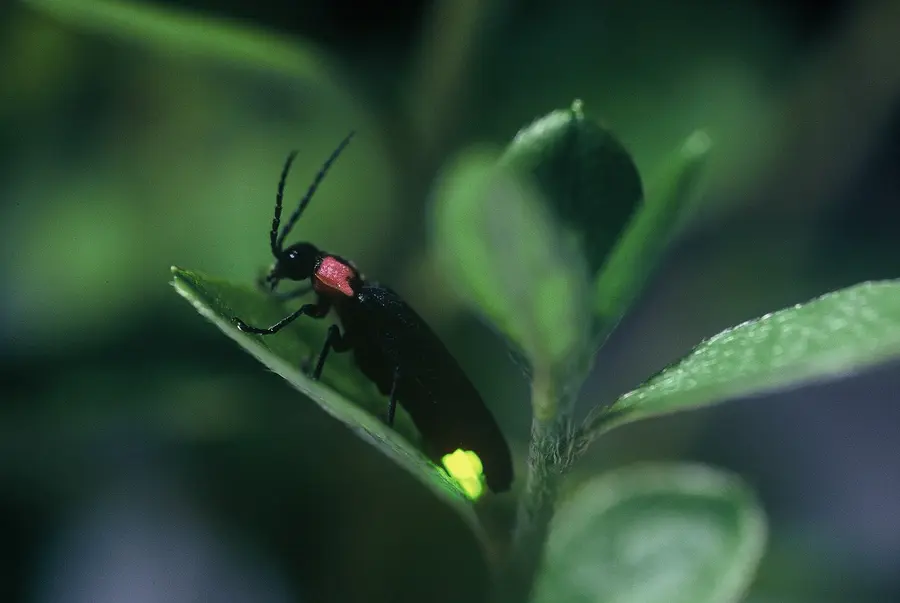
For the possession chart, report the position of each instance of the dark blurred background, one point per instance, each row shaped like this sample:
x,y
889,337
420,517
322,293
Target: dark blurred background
x,y
145,457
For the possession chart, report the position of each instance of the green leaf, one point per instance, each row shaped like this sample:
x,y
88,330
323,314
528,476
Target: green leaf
x,y
503,251
584,173
654,534
835,334
643,243
284,353
186,33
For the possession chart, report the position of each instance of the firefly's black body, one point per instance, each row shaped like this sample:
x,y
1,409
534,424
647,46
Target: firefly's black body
x,y
393,347
385,332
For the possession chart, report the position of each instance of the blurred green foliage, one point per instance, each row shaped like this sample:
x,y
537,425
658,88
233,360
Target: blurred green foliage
x,y
500,244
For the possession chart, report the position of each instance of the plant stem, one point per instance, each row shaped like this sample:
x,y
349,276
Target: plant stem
x,y
547,460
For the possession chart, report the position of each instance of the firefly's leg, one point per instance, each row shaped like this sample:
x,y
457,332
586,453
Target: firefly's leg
x,y
392,401
335,341
316,310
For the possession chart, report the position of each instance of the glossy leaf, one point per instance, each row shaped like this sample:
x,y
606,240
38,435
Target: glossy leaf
x,y
284,353
654,534
838,333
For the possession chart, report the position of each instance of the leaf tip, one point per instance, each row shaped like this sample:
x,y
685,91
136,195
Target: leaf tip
x,y
577,109
697,144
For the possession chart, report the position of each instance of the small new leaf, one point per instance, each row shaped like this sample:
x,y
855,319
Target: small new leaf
x,y
586,176
506,255
654,534
219,301
836,334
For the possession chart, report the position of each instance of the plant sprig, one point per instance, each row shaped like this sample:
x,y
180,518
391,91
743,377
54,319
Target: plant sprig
x,y
499,237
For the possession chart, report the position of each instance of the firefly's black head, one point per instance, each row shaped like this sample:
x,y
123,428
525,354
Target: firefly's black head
x,y
297,262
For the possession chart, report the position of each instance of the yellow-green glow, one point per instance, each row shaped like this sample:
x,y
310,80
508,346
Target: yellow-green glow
x,y
465,467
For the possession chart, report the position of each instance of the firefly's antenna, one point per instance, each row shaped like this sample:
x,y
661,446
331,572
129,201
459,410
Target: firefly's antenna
x,y
278,243
273,236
